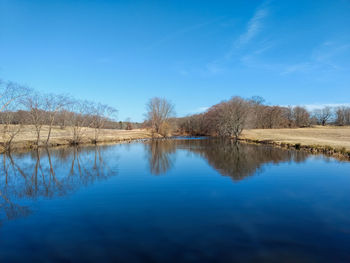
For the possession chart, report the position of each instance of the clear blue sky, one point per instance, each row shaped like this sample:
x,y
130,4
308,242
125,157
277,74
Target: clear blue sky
x,y
195,53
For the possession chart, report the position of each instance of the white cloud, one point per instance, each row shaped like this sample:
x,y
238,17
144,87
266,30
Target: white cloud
x,y
253,28
254,25
316,106
323,58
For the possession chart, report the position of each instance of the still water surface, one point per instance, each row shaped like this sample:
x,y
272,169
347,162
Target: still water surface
x,y
174,201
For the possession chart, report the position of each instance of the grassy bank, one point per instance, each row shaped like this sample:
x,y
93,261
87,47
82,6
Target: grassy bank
x,y
26,139
329,140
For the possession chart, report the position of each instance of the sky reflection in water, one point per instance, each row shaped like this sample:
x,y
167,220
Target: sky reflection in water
x,y
174,201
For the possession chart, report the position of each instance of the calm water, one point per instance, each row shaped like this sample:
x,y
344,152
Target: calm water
x,y
174,201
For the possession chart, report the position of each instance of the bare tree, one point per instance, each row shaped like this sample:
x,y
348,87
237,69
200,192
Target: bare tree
x,y
100,114
10,129
53,104
78,119
35,104
233,115
301,116
159,110
342,116
128,124
323,115
10,95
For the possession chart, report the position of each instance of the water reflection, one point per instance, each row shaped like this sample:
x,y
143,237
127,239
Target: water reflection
x,y
229,158
193,215
57,172
47,173
160,155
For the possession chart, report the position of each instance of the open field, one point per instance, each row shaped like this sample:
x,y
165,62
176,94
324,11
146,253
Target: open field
x,y
317,137
27,136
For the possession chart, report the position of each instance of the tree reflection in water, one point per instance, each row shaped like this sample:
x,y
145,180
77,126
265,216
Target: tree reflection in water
x,y
228,157
56,172
160,155
47,173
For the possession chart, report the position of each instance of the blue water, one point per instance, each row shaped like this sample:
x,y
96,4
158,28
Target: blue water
x,y
174,201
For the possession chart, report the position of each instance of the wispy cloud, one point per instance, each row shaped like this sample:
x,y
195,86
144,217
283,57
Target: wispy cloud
x,y
316,106
322,59
255,25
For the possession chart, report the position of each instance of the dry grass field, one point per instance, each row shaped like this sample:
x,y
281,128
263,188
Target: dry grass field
x,y
27,136
335,137
318,136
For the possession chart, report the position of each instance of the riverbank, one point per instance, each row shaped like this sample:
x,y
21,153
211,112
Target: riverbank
x,y
330,140
26,139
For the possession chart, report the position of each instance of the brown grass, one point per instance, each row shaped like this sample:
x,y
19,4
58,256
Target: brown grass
x,y
329,138
27,137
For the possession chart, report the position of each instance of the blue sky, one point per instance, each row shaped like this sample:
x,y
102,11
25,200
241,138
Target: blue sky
x,y
195,53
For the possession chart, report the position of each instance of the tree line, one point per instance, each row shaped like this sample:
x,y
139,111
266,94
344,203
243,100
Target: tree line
x,y
229,118
21,106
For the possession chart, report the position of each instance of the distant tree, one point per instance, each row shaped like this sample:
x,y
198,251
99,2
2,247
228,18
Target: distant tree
x,y
128,124
78,120
35,105
10,102
342,116
257,100
10,93
53,104
301,116
233,115
159,111
323,115
100,114
289,116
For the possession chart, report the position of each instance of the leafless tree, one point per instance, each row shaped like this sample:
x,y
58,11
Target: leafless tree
x,y
323,115
10,95
233,115
53,104
159,110
10,129
342,116
78,119
128,124
301,116
100,114
35,105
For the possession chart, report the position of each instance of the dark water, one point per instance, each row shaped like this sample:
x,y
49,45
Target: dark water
x,y
174,201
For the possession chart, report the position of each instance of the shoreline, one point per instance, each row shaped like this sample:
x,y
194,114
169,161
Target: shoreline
x,y
26,141
330,141
329,151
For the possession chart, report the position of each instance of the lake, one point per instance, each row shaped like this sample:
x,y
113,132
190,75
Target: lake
x,y
181,200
